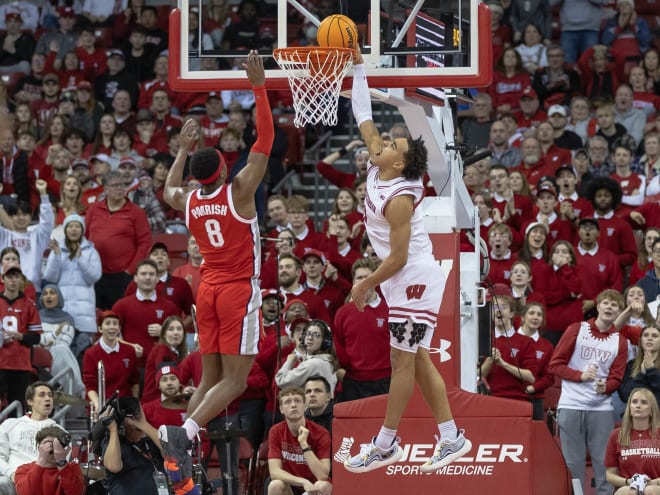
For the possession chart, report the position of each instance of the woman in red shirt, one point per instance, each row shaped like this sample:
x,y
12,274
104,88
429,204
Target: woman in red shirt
x,y
509,81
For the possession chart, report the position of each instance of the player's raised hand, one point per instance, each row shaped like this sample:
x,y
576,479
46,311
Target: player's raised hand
x,y
189,135
255,68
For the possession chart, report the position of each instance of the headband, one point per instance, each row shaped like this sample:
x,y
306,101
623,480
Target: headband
x,y
214,176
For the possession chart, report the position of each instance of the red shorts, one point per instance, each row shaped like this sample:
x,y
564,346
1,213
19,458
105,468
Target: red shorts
x,y
229,318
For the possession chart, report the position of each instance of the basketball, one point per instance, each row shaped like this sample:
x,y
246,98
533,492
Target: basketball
x,y
337,31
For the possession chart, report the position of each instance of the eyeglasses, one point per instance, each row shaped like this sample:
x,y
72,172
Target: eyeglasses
x,y
314,335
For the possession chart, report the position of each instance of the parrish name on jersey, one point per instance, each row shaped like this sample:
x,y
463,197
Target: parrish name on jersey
x,y
209,210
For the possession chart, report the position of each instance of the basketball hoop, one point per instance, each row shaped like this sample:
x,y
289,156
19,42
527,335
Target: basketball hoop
x,y
315,75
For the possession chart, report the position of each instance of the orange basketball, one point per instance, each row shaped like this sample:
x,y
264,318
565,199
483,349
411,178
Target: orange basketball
x,y
337,31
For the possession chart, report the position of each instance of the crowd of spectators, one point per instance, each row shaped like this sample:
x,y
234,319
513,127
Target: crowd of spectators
x,y
569,195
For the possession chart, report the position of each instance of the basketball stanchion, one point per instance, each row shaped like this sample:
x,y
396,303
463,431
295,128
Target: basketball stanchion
x,y
315,76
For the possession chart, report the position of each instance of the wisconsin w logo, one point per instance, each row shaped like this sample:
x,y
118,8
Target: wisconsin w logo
x,y
415,291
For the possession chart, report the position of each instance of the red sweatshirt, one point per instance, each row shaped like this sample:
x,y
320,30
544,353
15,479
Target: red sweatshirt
x,y
122,237
121,371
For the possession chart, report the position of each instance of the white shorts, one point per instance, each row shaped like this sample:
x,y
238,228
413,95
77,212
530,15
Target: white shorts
x,y
414,294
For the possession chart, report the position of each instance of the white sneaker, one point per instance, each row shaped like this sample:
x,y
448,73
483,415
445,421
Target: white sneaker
x,y
373,457
446,452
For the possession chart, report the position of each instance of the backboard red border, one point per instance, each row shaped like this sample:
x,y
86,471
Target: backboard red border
x,y
276,80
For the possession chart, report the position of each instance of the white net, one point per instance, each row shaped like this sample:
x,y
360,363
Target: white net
x,y
315,77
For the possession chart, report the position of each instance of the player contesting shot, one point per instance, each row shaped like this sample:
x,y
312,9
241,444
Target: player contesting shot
x,y
223,219
411,281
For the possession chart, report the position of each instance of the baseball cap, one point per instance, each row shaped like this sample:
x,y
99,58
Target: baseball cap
x,y
12,270
166,369
588,220
116,52
565,167
529,92
197,110
293,301
546,188
66,12
265,293
533,225
81,162
127,160
51,76
101,157
84,85
68,96
158,245
554,109
296,321
106,314
314,252
144,115
214,94
16,16
582,151
498,289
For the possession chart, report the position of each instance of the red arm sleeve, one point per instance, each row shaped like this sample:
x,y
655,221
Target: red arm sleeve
x,y
334,176
265,127
71,479
559,363
28,480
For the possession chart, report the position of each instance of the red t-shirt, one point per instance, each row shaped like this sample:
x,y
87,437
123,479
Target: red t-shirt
x,y
283,445
641,456
229,243
19,315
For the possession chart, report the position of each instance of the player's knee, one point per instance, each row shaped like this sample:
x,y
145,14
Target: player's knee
x,y
402,361
277,487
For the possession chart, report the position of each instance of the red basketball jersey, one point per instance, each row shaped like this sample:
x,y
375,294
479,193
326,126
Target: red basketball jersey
x,y
229,243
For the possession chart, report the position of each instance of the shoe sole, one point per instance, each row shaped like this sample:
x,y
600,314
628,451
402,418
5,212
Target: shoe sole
x,y
447,460
377,464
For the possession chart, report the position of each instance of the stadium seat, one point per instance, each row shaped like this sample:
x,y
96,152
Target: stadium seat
x,y
245,457
261,472
41,362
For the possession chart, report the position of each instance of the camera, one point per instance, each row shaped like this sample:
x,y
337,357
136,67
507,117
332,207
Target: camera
x,y
123,407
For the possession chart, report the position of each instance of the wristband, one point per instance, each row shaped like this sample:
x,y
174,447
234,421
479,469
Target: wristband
x,y
307,449
61,463
342,151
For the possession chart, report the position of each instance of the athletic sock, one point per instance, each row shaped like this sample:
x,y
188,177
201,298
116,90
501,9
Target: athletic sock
x,y
448,430
385,438
191,427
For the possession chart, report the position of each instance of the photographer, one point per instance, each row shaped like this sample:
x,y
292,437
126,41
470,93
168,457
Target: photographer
x,y
50,474
130,451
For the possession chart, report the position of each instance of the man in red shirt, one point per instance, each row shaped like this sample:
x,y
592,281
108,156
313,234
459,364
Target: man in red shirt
x,y
119,361
223,219
289,271
298,450
362,341
120,232
165,121
530,114
215,119
45,107
21,329
142,314
51,473
167,378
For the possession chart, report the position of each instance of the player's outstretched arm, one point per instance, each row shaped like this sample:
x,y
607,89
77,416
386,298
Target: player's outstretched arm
x,y
248,179
361,103
174,193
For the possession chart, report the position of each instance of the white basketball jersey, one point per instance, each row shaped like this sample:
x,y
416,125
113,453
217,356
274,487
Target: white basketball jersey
x,y
379,193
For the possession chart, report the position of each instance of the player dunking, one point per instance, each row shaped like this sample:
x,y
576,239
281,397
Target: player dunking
x,y
223,220
411,281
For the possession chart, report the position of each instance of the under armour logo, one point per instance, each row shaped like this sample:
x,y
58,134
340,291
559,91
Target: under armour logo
x,y
415,291
344,452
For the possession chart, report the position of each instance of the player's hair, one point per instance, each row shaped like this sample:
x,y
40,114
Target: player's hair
x,y
182,348
144,262
613,295
362,263
319,378
608,184
204,163
415,159
53,431
32,389
626,422
293,257
498,166
277,197
290,391
297,202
